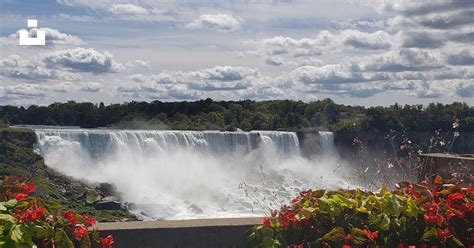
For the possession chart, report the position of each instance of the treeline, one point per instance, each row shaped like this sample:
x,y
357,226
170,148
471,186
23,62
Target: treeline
x,y
245,115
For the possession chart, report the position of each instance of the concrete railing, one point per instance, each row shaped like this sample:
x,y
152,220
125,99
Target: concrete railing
x,y
198,233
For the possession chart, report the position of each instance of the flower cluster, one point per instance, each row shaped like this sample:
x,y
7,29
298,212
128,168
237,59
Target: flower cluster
x,y
26,221
421,215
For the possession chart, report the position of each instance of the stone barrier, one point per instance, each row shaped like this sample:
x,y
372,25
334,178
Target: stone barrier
x,y
209,233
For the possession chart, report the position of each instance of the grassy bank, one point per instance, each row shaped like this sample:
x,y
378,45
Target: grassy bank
x,y
17,158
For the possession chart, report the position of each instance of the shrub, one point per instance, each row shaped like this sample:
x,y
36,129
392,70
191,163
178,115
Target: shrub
x,y
440,215
26,221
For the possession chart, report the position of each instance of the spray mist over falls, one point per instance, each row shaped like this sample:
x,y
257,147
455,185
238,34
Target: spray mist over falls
x,y
190,174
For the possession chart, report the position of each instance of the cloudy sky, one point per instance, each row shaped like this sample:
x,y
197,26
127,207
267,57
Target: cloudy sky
x,y
359,52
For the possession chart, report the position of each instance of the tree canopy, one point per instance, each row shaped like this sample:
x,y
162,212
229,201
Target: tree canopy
x,y
246,115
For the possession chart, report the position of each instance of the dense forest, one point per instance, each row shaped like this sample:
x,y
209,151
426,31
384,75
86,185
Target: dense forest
x,y
245,115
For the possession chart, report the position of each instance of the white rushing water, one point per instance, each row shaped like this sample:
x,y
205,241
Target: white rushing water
x,y
327,143
189,174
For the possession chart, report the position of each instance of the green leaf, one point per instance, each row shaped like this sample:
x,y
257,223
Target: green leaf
x,y
336,235
267,242
2,206
343,201
7,218
358,236
267,231
52,204
430,235
22,204
392,205
454,242
384,222
307,212
11,203
42,232
410,208
21,234
86,242
62,239
7,221
6,242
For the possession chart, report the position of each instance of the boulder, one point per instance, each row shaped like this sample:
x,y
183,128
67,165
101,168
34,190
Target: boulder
x,y
107,188
195,209
92,197
108,203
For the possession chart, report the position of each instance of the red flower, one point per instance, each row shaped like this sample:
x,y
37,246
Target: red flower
x,y
290,216
295,200
432,218
89,221
449,213
27,188
80,232
107,242
444,234
470,190
69,215
29,215
468,207
431,208
456,197
40,212
411,192
371,235
20,196
267,222
296,246
346,246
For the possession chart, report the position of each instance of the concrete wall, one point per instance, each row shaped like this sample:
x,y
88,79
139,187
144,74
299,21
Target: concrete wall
x,y
207,233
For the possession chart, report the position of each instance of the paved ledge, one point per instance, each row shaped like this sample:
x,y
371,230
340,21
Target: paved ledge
x,y
196,233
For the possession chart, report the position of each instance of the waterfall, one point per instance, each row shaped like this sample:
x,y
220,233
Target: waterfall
x,y
141,142
187,174
326,141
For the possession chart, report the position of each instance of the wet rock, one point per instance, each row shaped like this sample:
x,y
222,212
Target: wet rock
x,y
131,206
145,214
107,188
108,203
196,209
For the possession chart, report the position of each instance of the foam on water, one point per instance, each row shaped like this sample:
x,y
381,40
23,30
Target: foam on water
x,y
189,174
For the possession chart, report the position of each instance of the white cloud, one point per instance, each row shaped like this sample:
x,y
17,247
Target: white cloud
x,y
465,57
92,87
280,50
25,90
53,38
219,22
361,40
465,89
64,87
82,59
139,63
20,68
76,18
124,9
403,60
